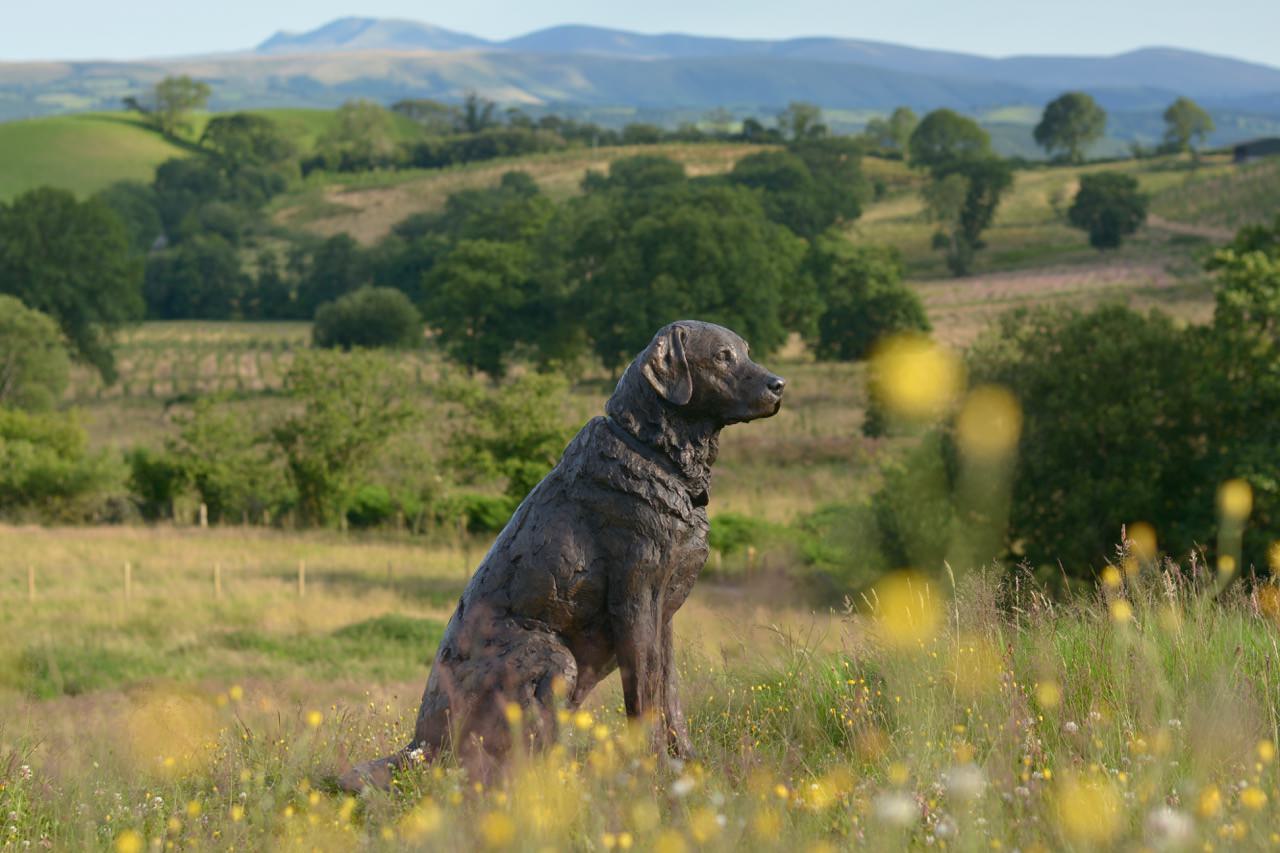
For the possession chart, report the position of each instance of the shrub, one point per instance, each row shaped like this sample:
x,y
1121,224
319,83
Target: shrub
x,y
1110,207
34,365
370,317
48,473
156,479
863,297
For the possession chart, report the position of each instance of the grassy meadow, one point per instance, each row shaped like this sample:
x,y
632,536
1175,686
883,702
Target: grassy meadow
x,y
173,687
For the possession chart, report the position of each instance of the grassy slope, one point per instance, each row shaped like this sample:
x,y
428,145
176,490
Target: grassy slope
x,y
82,153
86,152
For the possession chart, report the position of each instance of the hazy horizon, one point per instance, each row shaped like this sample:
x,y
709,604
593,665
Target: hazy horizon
x,y
148,29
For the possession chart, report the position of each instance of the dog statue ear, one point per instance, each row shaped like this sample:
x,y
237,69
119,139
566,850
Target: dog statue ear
x,y
666,367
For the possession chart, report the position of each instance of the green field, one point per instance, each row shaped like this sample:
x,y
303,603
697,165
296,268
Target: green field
x,y
81,153
178,687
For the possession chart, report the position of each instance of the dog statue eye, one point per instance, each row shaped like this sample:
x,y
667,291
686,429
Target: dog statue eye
x,y
725,356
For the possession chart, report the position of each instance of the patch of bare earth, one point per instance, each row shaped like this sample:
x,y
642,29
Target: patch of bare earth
x,y
960,308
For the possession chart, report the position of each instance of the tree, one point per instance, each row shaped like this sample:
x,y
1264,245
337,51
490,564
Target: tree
x,y
346,407
246,140
34,366
225,461
894,133
639,172
863,298
1070,123
1109,206
136,205
476,301
945,137
198,279
48,473
370,317
477,114
835,163
436,118
964,216
801,120
516,431
360,137
329,270
788,191
175,98
1184,121
639,261
71,260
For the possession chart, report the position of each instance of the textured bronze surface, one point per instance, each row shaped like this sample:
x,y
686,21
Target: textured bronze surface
x,y
587,574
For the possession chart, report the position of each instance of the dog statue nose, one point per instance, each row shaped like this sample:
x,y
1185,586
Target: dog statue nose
x,y
776,384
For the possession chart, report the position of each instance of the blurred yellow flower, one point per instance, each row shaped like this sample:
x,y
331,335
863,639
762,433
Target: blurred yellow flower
x,y
236,693
703,825
670,841
497,830
314,719
1266,751
989,423
1210,802
237,813
625,840
1111,578
582,720
644,815
1143,539
422,820
1048,694
1273,556
193,808
1253,798
514,714
1235,499
1088,811
976,666
766,824
1121,611
1226,565
128,842
914,377
907,609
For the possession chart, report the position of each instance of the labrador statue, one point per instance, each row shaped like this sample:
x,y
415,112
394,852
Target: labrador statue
x,y
588,573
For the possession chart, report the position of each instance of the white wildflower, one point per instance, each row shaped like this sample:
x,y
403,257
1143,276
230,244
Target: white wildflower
x,y
1169,829
896,808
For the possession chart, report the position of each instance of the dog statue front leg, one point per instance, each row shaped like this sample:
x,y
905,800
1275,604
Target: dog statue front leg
x,y
674,726
638,640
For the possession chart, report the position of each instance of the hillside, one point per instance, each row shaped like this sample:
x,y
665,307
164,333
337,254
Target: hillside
x,y
83,153
614,77
87,152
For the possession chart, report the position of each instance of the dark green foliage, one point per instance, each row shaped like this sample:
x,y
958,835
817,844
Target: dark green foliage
x,y
809,187
1185,121
965,195
801,120
641,172
863,296
34,367
733,532
477,299
243,141
912,510
891,136
328,271
478,514
369,317
73,261
1070,123
640,260
135,204
156,479
47,472
515,432
370,506
1109,206
944,137
227,463
200,278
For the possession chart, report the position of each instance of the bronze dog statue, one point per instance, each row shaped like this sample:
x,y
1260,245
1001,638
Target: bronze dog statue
x,y
589,571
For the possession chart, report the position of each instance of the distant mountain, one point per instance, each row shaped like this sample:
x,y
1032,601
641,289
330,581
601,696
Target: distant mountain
x,y
1189,72
616,76
348,34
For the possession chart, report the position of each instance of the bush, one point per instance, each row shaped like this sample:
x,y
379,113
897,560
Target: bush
x,y
1110,207
370,506
863,297
370,317
48,473
156,479
34,365
479,513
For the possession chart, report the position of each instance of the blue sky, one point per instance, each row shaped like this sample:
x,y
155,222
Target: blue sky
x,y
1248,29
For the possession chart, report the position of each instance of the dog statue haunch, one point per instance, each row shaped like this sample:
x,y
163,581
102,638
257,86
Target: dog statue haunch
x,y
589,571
